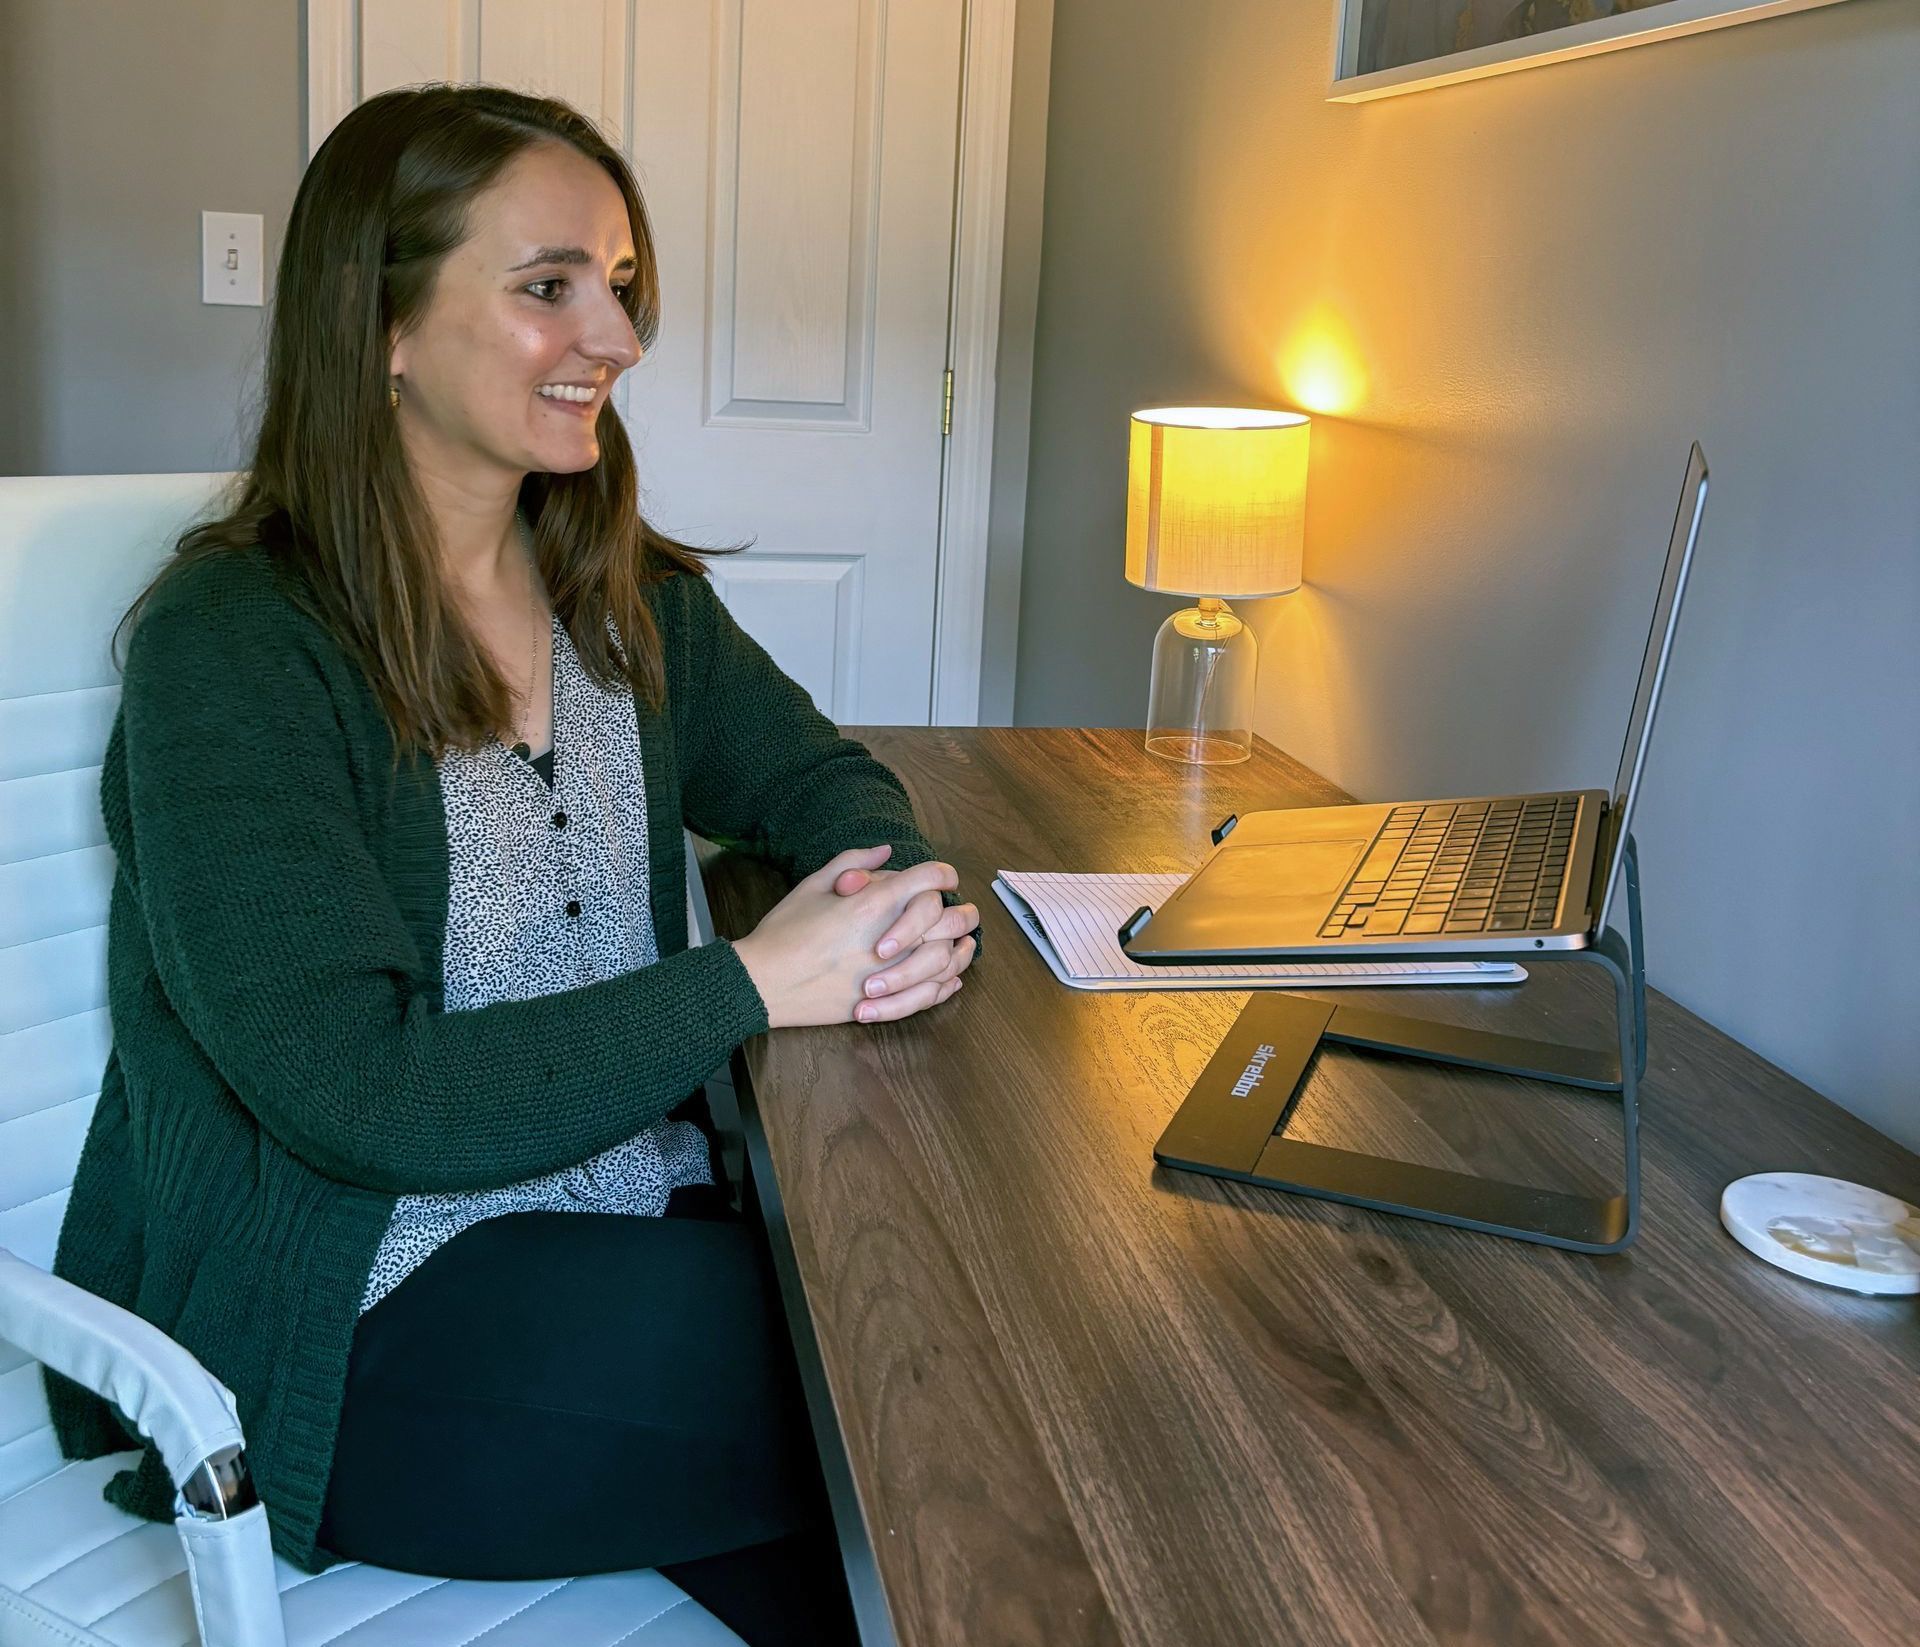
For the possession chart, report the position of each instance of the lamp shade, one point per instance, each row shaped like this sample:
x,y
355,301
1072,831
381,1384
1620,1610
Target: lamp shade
x,y
1216,500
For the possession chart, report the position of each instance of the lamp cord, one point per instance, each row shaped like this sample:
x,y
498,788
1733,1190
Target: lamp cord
x,y
1206,686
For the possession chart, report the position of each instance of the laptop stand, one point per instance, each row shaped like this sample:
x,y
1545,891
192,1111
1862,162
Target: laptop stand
x,y
1232,1124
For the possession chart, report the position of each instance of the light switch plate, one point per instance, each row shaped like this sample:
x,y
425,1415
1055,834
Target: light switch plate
x,y
231,258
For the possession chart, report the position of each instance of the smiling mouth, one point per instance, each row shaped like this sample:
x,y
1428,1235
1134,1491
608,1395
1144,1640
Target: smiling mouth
x,y
578,398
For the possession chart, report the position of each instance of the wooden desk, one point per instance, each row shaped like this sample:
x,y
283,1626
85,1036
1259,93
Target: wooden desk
x,y
1084,1399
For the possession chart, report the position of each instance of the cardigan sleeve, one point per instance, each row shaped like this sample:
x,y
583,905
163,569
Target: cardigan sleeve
x,y
278,942
763,769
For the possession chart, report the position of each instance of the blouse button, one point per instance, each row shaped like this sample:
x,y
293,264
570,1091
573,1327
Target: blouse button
x,y
573,906
559,820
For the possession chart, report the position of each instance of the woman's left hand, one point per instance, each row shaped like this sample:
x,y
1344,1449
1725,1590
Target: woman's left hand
x,y
925,922
925,916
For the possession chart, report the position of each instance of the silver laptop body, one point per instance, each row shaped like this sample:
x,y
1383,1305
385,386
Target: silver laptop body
x,y
1487,874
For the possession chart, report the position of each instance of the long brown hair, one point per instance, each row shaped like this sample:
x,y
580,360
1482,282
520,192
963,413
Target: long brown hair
x,y
329,492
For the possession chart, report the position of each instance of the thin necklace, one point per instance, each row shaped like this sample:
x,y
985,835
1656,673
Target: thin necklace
x,y
522,748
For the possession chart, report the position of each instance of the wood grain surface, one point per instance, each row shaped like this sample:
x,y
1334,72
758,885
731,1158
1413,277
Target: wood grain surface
x,y
1085,1399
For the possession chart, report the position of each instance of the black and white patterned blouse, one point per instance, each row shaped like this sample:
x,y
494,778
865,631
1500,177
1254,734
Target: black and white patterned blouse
x,y
547,890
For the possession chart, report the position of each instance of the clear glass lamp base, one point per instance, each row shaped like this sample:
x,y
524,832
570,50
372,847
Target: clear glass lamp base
x,y
1200,705
1198,751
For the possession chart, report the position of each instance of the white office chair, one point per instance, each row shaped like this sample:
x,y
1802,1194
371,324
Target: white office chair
x,y
73,1569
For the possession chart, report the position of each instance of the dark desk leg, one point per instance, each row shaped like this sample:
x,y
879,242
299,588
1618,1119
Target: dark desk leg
x,y
856,1554
730,1097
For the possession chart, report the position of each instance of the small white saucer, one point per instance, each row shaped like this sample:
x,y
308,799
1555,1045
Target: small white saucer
x,y
1827,1230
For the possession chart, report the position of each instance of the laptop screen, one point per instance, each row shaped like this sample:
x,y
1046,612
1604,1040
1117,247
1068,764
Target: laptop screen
x,y
1653,668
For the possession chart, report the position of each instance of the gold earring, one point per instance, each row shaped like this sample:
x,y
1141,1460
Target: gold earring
x,y
393,394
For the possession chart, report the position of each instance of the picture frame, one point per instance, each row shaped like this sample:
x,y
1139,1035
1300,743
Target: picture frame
x,y
1365,65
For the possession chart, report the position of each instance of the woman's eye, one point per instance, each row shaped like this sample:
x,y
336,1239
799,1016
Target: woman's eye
x,y
548,291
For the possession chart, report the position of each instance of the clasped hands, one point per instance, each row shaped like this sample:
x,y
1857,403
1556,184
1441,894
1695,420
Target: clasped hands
x,y
937,940
819,956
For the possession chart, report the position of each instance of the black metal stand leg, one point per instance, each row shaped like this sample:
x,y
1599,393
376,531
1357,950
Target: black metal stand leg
x,y
1227,1128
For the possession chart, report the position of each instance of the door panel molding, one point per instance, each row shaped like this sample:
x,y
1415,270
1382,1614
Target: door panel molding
x,y
356,50
791,340
781,600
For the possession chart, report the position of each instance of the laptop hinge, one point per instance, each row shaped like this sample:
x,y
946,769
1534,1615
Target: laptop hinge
x,y
1602,860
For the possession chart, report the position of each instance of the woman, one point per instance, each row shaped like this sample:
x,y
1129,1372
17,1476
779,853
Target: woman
x,y
397,957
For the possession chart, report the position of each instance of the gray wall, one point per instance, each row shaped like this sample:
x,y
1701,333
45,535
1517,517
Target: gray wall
x,y
120,122
1522,297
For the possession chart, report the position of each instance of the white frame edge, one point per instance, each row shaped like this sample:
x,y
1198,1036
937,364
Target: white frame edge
x,y
1603,34
333,66
980,218
986,107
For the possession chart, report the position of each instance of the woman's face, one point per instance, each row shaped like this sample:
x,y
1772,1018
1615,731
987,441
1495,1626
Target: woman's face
x,y
523,335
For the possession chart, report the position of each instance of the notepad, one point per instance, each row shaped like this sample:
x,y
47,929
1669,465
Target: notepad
x,y
1074,921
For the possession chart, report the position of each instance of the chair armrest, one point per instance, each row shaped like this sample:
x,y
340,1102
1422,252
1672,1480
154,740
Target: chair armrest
x,y
187,1413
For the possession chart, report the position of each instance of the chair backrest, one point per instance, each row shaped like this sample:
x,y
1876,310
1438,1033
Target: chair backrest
x,y
74,552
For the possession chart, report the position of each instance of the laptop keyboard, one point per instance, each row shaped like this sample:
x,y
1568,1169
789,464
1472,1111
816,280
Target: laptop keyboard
x,y
1460,866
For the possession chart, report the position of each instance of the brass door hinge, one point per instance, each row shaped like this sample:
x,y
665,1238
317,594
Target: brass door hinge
x,y
946,404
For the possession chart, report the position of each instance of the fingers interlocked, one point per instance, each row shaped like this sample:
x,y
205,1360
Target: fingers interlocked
x,y
934,943
928,975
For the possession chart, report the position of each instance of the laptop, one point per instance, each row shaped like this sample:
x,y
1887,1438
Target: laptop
x,y
1484,875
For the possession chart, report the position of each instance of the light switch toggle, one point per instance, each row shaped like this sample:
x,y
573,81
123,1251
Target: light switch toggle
x,y
231,261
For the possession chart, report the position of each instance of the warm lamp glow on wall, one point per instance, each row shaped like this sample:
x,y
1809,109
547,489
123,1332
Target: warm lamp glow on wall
x,y
1216,507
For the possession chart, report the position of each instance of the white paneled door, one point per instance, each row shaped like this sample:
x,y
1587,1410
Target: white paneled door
x,y
798,162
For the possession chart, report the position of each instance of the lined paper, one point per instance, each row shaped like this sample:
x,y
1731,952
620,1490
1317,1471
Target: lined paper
x,y
1074,921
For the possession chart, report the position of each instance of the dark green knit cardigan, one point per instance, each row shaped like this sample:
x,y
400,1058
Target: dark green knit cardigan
x,y
282,1068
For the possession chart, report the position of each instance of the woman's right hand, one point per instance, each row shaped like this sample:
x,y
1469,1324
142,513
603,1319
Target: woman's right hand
x,y
812,953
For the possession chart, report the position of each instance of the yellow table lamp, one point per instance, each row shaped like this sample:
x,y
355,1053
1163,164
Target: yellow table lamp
x,y
1216,506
